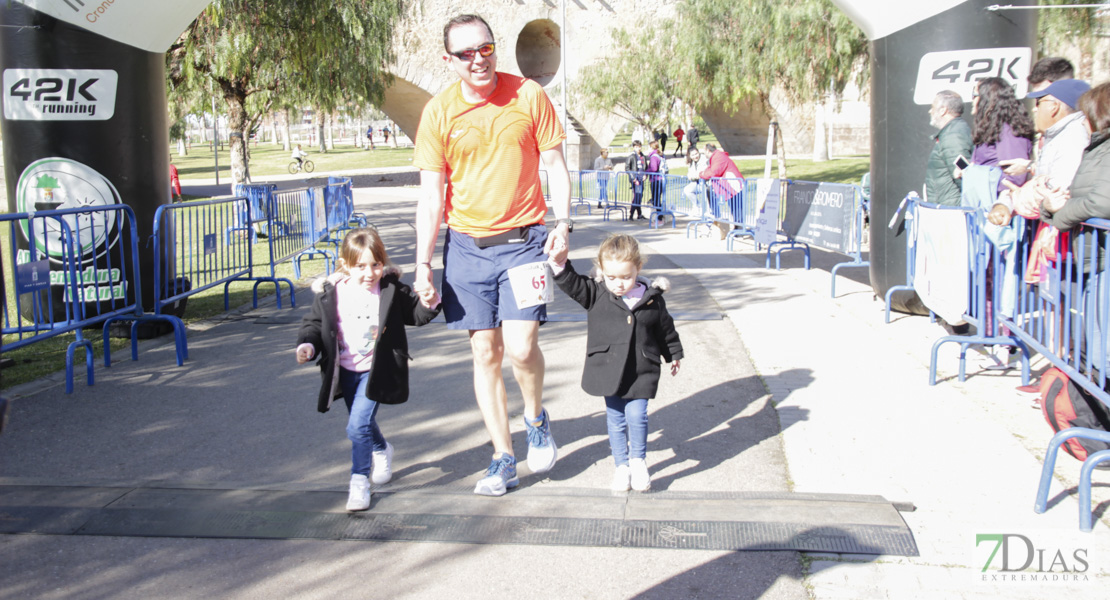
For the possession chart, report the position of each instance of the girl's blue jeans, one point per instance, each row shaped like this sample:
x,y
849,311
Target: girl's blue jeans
x,y
628,428
362,426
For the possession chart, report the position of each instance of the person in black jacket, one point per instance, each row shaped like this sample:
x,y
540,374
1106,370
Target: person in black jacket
x,y
636,165
629,333
356,332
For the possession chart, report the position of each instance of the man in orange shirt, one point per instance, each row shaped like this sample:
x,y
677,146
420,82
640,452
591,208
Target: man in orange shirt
x,y
479,149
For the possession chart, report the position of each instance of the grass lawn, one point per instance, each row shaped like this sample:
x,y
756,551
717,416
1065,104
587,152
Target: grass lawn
x,y
270,159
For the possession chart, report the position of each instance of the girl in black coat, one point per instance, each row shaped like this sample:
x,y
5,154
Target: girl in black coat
x,y
629,334
356,331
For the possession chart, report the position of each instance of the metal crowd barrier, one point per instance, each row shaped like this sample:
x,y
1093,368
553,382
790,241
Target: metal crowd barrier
x,y
344,204
97,251
298,222
253,219
986,288
859,219
612,192
200,245
907,209
1065,315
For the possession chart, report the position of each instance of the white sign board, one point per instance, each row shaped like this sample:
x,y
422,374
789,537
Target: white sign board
x,y
960,70
59,94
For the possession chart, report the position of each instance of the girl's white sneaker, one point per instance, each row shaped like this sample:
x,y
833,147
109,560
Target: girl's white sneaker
x,y
381,470
359,496
640,479
621,478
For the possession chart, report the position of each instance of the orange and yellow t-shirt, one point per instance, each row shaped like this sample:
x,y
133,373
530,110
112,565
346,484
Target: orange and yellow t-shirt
x,y
490,154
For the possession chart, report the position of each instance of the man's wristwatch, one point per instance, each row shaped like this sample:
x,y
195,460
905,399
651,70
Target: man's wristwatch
x,y
569,224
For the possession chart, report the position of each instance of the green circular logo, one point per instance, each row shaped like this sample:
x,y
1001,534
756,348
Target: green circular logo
x,y
58,183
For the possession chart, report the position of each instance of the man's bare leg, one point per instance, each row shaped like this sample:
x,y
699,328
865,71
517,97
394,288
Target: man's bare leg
x,y
488,349
521,342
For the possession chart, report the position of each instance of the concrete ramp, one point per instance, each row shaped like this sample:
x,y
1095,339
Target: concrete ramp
x,y
561,517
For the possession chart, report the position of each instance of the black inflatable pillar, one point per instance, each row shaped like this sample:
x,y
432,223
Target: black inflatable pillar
x,y
918,50
87,114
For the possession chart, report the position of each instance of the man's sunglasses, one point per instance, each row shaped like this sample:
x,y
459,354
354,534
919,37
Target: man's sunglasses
x,y
469,54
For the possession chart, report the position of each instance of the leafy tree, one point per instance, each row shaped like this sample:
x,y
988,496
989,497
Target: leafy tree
x,y
1063,29
728,53
250,52
740,50
639,84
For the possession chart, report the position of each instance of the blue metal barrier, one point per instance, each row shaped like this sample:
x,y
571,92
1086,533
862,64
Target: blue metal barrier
x,y
97,249
253,220
727,205
316,231
859,218
344,187
189,245
584,186
907,207
981,314
1065,315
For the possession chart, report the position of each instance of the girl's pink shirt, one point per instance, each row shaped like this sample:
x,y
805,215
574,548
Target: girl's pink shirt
x,y
358,310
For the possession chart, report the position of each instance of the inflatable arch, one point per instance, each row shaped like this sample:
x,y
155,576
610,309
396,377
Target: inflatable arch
x,y
917,50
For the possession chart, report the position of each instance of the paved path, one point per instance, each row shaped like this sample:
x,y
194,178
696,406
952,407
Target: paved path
x,y
792,391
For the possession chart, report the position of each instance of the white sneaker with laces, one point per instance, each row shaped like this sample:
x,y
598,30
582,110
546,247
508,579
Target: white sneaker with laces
x,y
359,496
382,470
621,478
640,479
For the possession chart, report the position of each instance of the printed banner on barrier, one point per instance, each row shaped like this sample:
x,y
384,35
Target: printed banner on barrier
x,y
820,214
152,25
940,273
767,195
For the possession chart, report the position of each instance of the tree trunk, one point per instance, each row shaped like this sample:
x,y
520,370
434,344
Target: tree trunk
x,y
323,147
330,130
286,143
820,132
181,151
237,123
274,128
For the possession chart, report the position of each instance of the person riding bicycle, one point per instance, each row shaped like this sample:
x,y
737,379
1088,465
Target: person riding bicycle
x,y
299,156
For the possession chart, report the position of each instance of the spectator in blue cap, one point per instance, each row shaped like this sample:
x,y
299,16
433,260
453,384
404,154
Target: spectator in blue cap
x,y
1064,135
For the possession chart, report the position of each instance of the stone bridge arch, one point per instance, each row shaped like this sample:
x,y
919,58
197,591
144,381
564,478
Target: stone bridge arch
x,y
528,36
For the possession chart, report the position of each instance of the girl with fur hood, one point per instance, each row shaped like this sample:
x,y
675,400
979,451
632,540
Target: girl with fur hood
x,y
629,333
356,332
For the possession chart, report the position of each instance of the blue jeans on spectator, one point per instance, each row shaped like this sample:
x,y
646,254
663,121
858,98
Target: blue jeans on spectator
x,y
603,188
637,198
628,428
658,188
362,426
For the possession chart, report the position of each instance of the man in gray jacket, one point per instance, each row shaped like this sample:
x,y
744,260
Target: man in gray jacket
x,y
952,141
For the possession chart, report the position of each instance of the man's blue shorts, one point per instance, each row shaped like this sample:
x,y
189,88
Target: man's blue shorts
x,y
476,289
